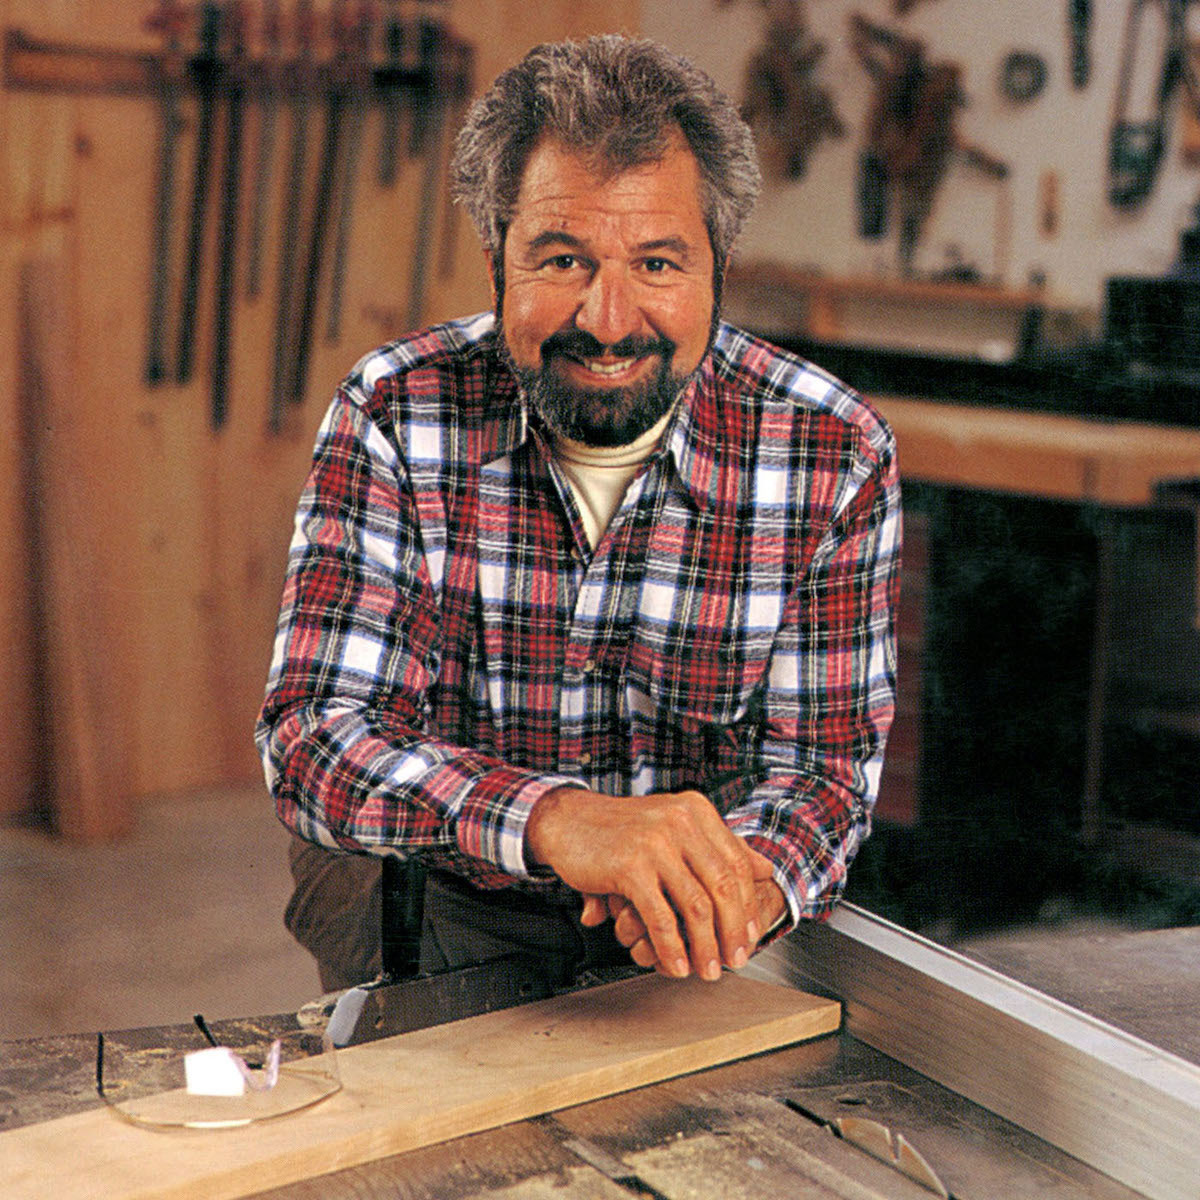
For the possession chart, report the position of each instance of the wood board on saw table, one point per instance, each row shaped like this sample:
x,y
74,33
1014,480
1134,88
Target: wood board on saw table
x,y
425,1087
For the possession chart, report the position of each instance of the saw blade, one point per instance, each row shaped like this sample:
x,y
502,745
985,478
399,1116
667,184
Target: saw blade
x,y
877,1140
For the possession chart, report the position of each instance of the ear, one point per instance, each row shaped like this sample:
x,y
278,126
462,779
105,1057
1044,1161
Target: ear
x,y
490,258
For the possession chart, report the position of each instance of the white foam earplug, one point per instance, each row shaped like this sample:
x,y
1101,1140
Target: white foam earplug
x,y
214,1072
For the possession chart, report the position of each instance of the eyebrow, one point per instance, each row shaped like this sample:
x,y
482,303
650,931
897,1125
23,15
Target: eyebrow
x,y
560,237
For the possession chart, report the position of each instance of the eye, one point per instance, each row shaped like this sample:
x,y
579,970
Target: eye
x,y
562,262
658,266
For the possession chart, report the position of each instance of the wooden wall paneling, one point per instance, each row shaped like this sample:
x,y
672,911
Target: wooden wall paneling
x,y
188,527
86,753
17,630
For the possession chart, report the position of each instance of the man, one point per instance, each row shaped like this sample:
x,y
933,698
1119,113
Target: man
x,y
589,603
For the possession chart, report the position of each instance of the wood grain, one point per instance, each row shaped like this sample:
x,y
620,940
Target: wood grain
x,y
86,755
427,1087
37,159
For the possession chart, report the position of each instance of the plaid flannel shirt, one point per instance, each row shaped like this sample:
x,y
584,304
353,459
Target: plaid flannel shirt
x,y
450,648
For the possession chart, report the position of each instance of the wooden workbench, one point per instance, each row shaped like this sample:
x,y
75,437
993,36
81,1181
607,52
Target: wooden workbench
x,y
748,1129
1109,466
1116,464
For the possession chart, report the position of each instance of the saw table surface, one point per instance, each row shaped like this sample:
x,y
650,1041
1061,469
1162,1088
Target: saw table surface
x,y
752,1128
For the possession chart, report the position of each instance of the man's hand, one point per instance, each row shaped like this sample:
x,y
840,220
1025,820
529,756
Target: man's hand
x,y
630,930
692,883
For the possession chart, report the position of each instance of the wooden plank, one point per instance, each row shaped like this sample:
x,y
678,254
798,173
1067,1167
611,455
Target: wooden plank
x,y
427,1087
37,154
1119,1104
86,750
1118,463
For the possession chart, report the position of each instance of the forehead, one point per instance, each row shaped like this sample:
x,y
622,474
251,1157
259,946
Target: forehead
x,y
561,186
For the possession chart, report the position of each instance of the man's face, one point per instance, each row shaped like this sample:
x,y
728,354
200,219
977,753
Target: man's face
x,y
607,300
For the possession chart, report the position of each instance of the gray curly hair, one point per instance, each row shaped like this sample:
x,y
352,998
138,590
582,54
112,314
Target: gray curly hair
x,y
617,101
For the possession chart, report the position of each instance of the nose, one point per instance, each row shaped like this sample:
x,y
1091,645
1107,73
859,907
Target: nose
x,y
609,310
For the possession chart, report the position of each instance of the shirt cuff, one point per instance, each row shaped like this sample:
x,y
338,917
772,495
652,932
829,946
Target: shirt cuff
x,y
491,821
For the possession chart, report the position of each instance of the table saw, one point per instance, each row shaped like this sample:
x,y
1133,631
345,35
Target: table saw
x,y
1086,1104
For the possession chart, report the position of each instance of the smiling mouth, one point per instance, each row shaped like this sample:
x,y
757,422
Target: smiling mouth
x,y
587,358
605,368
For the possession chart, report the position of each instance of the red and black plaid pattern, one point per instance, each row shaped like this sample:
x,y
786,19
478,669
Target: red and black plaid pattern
x,y
449,648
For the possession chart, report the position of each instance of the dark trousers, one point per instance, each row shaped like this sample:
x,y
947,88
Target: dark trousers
x,y
336,913
465,925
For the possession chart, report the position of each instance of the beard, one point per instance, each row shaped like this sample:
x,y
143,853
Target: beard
x,y
599,416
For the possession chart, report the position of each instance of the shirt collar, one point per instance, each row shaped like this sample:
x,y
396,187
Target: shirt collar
x,y
702,441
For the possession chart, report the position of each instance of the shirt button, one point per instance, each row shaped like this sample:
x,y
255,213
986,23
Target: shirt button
x,y
584,759
589,666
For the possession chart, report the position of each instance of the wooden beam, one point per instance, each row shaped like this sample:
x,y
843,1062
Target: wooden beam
x,y
1118,1103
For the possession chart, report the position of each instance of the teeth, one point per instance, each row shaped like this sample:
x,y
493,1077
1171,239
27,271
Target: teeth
x,y
613,368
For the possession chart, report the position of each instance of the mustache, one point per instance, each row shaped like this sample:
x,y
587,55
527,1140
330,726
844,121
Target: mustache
x,y
578,343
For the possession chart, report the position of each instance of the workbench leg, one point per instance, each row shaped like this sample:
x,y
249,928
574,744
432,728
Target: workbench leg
x,y
1092,810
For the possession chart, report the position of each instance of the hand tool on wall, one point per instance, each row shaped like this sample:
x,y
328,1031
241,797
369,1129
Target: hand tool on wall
x,y
205,69
910,134
427,128
268,109
389,128
1080,18
1023,75
783,102
1136,147
358,50
227,230
1189,134
335,104
300,87
169,19
427,90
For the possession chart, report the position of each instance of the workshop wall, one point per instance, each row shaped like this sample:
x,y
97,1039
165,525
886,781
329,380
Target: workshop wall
x,y
141,546
1051,216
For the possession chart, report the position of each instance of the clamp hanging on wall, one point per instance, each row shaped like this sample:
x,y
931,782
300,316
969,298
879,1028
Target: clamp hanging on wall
x,y
910,135
234,61
1136,147
1079,16
784,104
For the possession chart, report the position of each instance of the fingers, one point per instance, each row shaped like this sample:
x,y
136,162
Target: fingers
x,y
662,926
728,906
628,927
698,904
630,931
595,910
689,878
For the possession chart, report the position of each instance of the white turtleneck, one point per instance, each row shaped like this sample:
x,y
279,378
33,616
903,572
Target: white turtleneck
x,y
600,475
